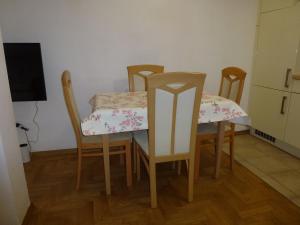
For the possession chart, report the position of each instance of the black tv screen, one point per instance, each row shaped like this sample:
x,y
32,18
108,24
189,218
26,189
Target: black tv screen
x,y
25,71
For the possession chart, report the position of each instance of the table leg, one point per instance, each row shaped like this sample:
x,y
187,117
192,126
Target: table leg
x,y
220,141
105,139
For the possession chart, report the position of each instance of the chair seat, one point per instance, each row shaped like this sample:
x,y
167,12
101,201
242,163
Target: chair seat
x,y
141,138
210,128
97,139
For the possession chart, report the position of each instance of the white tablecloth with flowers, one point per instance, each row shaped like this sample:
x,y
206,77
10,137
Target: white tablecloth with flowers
x,y
120,112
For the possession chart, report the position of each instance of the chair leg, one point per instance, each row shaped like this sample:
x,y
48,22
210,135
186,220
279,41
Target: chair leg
x,y
179,163
152,176
134,146
221,128
106,162
197,160
215,146
191,180
231,148
128,164
187,165
79,159
138,164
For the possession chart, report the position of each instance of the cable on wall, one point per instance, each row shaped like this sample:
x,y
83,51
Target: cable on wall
x,y
36,123
25,129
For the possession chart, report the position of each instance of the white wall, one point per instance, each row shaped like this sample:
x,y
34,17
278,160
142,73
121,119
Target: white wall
x,y
97,39
14,200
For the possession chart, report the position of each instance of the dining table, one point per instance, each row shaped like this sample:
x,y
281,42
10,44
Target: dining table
x,y
116,112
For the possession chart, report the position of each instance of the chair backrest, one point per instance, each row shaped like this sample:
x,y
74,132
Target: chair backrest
x,y
173,111
137,76
232,83
71,105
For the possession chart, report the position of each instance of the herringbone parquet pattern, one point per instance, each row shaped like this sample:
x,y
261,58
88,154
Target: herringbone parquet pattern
x,y
237,197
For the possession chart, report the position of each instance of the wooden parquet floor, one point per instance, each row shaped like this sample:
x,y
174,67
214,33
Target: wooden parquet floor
x,y
237,197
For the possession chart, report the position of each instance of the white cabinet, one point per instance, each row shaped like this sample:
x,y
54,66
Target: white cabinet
x,y
269,5
296,75
277,48
275,92
296,85
268,110
292,134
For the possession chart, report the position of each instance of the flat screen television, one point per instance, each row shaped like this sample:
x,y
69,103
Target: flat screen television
x,y
25,71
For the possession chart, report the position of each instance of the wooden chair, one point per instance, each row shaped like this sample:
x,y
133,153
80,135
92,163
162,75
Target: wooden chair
x,y
91,146
173,111
231,87
137,76
137,81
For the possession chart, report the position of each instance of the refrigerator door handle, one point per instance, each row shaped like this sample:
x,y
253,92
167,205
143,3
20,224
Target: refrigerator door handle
x,y
287,75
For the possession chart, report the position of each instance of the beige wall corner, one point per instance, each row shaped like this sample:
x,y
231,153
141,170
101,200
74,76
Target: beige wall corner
x,y
14,199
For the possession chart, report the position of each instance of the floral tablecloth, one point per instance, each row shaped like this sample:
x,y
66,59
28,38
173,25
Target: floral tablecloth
x,y
120,112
